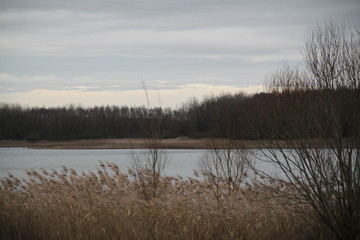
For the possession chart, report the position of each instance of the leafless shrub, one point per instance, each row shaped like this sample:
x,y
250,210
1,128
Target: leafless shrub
x,y
147,167
224,166
321,160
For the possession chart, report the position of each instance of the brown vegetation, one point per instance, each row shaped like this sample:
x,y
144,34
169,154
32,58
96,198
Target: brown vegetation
x,y
126,143
137,143
107,205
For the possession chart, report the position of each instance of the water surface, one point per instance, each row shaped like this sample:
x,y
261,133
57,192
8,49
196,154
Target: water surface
x,y
17,160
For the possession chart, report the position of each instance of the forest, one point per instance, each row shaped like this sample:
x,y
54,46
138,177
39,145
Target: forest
x,y
194,119
238,116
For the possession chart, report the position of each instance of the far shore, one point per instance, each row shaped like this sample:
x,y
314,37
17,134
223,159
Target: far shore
x,y
173,143
127,143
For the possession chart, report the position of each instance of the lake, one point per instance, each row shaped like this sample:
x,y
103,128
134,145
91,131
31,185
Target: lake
x,y
17,160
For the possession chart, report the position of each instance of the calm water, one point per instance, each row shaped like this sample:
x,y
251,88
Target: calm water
x,y
181,162
18,160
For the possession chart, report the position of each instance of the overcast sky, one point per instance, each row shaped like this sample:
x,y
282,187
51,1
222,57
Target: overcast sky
x,y
98,52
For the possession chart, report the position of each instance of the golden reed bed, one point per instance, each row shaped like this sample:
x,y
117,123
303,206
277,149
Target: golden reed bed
x,y
109,205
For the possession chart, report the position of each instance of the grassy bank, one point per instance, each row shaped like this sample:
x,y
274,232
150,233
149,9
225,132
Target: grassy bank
x,y
109,205
125,143
138,143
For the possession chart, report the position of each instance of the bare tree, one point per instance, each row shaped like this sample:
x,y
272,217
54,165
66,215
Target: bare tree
x,y
147,166
316,111
224,166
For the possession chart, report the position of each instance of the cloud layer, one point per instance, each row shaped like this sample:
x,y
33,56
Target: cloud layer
x,y
251,30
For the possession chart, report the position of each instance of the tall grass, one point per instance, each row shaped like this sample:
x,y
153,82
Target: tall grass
x,y
107,205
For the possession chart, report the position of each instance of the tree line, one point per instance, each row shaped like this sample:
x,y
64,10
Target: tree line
x,y
237,116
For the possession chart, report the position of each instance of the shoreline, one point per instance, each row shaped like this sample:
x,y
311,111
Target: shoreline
x,y
173,143
126,143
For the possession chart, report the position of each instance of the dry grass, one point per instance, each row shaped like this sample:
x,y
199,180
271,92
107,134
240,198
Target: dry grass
x,y
126,143
107,205
137,143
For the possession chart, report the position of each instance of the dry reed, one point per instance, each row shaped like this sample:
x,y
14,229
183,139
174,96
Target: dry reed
x,y
106,205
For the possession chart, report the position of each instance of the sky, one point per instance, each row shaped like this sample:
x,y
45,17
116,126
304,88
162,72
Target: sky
x,y
88,52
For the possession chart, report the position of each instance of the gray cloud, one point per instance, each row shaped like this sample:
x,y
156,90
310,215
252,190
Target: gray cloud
x,y
251,30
